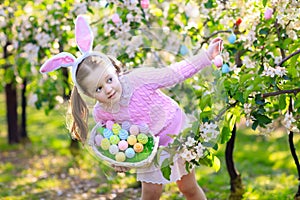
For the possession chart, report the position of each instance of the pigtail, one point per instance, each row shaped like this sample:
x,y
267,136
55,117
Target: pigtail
x,y
79,111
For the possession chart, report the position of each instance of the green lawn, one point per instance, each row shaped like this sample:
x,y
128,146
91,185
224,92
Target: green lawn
x,y
47,168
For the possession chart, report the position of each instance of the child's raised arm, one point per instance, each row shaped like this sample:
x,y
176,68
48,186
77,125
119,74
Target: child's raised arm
x,y
177,72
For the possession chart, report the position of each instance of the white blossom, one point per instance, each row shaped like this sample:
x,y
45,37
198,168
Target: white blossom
x,y
43,39
200,150
31,52
277,59
188,155
80,8
288,122
190,142
248,62
208,131
247,108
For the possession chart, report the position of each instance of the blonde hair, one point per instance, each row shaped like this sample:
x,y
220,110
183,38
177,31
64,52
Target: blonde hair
x,y
78,108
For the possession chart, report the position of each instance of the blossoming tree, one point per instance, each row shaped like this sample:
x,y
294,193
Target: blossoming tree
x,y
258,79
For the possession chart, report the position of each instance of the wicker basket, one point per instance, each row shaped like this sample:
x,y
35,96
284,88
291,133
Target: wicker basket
x,y
100,153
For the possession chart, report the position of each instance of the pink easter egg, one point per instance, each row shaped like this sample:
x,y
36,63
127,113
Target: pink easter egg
x,y
116,18
145,4
109,124
123,145
134,130
218,61
98,139
268,13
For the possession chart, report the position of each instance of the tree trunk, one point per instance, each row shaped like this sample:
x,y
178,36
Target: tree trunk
x,y
11,113
23,128
236,184
293,151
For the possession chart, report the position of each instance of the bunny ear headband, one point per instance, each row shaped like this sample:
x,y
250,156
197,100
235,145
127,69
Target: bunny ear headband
x,y
84,39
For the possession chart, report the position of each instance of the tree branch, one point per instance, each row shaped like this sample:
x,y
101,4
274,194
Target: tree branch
x,y
294,91
288,57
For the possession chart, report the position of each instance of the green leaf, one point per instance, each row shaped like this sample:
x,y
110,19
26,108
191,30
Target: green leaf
x,y
259,100
265,2
216,163
166,169
282,102
297,103
225,134
264,31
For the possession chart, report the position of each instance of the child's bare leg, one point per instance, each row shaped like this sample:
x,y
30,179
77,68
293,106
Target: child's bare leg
x,y
190,188
151,191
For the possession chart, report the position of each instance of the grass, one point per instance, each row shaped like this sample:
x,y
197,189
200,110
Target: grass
x,y
46,168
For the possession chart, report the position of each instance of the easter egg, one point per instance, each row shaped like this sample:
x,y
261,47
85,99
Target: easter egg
x,y
109,124
138,147
120,157
123,134
114,139
225,68
232,38
268,13
107,133
183,50
126,125
123,145
218,61
144,4
142,138
105,144
131,139
98,139
116,18
113,149
134,130
129,153
100,129
238,21
144,128
116,128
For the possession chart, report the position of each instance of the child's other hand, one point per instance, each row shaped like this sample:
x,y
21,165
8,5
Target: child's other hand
x,y
120,169
215,47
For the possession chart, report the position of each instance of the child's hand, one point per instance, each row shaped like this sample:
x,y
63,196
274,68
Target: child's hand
x,y
215,47
120,169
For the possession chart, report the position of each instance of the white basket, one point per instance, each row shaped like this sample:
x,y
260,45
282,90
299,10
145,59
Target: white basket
x,y
141,164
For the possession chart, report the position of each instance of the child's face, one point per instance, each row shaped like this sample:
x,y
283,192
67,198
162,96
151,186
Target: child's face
x,y
104,85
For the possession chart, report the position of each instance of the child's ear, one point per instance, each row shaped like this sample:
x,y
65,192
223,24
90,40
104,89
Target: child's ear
x,y
84,35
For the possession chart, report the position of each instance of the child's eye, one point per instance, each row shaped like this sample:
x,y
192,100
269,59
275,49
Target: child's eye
x,y
109,80
98,89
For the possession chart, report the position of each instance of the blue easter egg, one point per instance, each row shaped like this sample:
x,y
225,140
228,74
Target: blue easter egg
x,y
107,133
232,38
183,50
123,134
225,68
129,153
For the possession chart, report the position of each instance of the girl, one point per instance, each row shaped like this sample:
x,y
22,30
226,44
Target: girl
x,y
133,97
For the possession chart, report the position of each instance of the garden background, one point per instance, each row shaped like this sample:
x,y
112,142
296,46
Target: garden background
x,y
253,98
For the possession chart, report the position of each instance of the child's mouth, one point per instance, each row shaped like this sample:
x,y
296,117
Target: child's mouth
x,y
112,95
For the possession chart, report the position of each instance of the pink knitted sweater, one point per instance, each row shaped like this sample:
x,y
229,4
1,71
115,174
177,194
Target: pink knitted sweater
x,y
142,103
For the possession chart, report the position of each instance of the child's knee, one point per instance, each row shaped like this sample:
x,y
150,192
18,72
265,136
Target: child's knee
x,y
151,191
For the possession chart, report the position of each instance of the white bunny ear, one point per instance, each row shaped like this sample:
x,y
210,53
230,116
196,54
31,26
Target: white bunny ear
x,y
62,59
84,35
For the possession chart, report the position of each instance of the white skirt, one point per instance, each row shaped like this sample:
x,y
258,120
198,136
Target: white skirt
x,y
152,174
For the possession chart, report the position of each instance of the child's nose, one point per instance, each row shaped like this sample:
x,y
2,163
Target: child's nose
x,y
107,88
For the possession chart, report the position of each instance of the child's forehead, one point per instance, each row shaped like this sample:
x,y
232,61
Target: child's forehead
x,y
104,72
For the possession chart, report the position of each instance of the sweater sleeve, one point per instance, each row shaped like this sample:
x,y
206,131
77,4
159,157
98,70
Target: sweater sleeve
x,y
171,75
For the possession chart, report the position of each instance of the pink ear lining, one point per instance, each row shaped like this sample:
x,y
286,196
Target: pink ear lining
x,y
84,35
60,60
